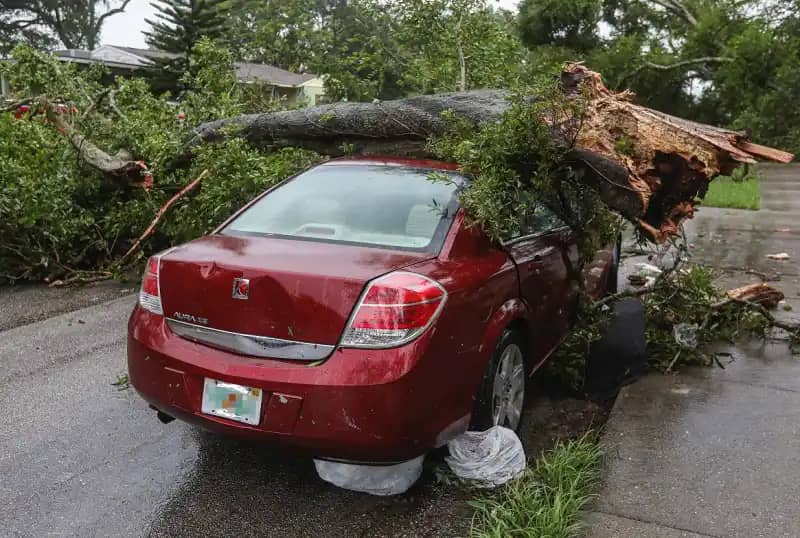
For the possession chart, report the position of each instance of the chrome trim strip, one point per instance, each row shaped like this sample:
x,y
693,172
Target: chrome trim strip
x,y
249,344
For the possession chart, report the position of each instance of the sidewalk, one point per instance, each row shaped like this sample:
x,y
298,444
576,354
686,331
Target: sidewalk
x,y
711,451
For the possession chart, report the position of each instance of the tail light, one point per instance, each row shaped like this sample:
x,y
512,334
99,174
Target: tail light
x,y
394,309
150,294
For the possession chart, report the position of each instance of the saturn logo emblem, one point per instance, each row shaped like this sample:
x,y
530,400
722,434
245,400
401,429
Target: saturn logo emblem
x,y
241,288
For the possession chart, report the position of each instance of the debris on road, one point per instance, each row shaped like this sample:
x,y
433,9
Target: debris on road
x,y
685,335
380,480
762,294
489,458
781,256
647,269
646,275
637,280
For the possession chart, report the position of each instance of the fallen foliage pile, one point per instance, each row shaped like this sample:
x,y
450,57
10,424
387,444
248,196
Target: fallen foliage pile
x,y
82,172
685,313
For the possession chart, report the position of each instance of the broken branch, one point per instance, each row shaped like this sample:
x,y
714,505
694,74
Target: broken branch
x,y
82,277
761,309
761,293
677,65
159,215
117,167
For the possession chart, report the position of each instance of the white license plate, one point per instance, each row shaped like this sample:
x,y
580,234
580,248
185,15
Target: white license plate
x,y
232,401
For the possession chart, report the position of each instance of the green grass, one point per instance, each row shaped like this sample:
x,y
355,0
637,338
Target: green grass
x,y
546,501
727,192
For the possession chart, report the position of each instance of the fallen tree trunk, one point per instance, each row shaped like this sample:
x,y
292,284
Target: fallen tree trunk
x,y
646,165
119,167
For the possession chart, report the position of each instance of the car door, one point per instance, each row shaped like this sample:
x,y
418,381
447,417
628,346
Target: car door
x,y
541,253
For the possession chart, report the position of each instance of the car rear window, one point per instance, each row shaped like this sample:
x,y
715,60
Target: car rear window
x,y
361,204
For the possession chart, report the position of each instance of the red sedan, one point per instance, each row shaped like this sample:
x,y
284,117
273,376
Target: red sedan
x,y
354,313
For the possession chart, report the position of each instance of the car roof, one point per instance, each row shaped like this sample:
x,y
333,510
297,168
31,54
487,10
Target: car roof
x,y
392,161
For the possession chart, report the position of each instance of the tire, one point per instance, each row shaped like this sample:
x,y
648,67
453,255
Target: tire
x,y
501,397
612,286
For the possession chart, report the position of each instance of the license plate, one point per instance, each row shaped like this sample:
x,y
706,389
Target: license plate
x,y
231,401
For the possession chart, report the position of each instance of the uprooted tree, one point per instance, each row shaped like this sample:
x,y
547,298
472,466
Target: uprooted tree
x,y
586,152
649,167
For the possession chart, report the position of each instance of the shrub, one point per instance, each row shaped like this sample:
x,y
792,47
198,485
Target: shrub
x,y
58,216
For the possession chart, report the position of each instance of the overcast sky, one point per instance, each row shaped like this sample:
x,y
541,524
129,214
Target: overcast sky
x,y
126,28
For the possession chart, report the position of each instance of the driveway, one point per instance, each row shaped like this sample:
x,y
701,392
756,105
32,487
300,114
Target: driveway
x,y
80,457
710,451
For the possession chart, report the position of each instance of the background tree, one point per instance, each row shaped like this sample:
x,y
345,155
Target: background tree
x,y
454,45
15,30
179,25
726,62
570,24
73,24
285,33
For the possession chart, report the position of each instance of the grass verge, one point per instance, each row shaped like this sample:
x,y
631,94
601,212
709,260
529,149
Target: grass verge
x,y
546,501
728,192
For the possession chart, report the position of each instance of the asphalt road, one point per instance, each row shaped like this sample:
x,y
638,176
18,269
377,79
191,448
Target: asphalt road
x,y
78,457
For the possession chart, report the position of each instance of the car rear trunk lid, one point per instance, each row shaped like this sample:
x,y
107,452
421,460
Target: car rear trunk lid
x,y
273,292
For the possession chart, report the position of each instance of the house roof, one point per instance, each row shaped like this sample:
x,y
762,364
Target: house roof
x,y
134,58
280,77
147,53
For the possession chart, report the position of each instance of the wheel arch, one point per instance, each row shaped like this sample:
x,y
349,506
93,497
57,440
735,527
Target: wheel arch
x,y
513,315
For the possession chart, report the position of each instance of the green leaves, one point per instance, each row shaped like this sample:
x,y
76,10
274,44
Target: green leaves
x,y
370,49
547,500
564,23
237,174
518,165
58,216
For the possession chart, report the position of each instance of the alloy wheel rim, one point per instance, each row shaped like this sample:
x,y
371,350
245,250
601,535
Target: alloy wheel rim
x,y
508,391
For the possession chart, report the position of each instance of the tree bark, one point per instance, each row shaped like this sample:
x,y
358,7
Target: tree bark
x,y
118,167
648,166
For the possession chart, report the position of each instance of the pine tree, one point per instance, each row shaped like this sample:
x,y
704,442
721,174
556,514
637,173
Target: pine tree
x,y
179,25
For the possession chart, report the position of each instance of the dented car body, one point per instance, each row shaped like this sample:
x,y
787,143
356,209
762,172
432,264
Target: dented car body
x,y
353,312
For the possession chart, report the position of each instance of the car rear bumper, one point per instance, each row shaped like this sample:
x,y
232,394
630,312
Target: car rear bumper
x,y
358,405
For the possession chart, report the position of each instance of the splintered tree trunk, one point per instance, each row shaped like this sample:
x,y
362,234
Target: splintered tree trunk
x,y
648,166
666,161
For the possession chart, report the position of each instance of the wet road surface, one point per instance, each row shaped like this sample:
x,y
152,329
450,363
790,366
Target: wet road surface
x,y
710,451
78,457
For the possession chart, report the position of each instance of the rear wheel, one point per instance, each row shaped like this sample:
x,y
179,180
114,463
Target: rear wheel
x,y
501,398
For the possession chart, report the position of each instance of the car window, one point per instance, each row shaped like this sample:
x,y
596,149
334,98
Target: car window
x,y
541,219
537,219
363,204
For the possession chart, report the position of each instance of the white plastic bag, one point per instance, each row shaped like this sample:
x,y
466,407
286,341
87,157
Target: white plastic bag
x,y
373,479
490,458
685,334
647,269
